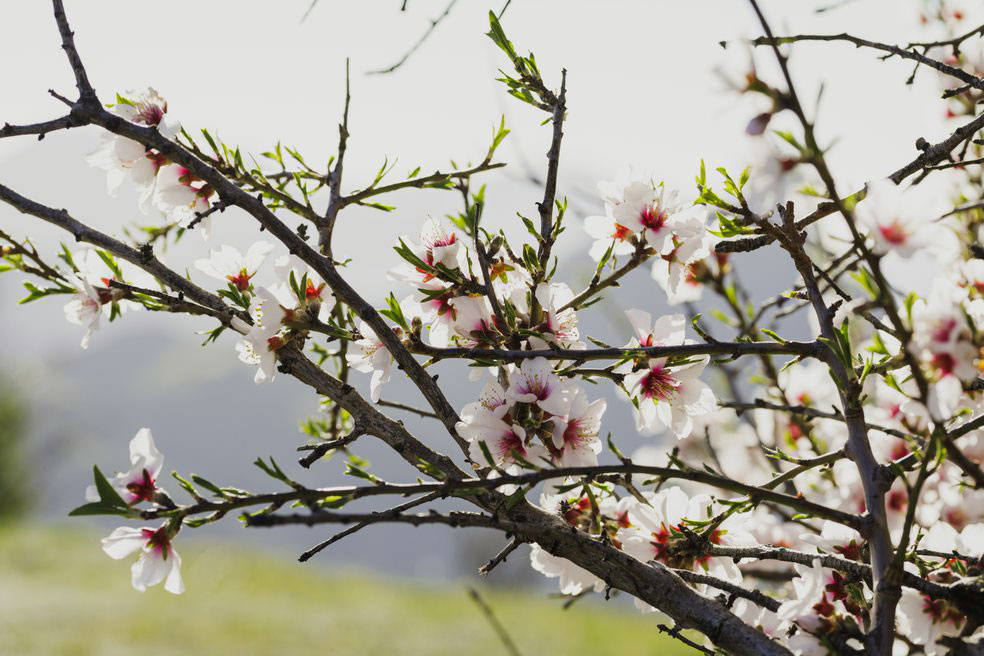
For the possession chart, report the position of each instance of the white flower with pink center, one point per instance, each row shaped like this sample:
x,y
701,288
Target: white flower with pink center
x,y
146,107
675,271
474,323
124,158
669,329
85,309
608,233
182,196
437,246
158,559
972,278
260,344
809,590
534,382
433,302
492,400
938,323
503,439
371,356
655,530
898,222
669,396
139,484
229,265
648,210
559,325
121,157
440,246
314,295
942,338
837,539
575,435
925,620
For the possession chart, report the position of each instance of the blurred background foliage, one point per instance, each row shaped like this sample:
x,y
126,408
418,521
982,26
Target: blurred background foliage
x,y
61,595
14,472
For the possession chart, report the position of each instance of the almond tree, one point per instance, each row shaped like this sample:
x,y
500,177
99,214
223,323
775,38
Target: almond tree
x,y
837,510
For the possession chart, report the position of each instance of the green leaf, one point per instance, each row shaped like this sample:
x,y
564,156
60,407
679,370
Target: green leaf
x,y
773,335
208,485
110,262
107,493
35,293
498,36
395,313
98,508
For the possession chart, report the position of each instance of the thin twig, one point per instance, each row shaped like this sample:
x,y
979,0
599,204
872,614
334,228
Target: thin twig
x,y
395,510
402,60
500,557
494,622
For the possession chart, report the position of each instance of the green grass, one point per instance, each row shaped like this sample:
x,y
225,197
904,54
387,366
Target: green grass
x,y
61,596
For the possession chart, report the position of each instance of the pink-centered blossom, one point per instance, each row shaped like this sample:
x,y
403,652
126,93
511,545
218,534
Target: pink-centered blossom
x,y
534,382
924,620
504,440
262,340
85,309
437,246
182,196
608,233
139,483
669,396
559,325
158,559
473,321
124,158
312,294
656,532
230,266
897,221
668,330
576,434
370,356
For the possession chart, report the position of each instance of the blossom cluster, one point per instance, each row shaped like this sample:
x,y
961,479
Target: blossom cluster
x,y
787,486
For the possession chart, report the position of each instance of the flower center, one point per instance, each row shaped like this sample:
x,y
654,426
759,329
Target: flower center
x,y
652,218
659,384
943,329
142,489
944,363
508,443
941,612
311,292
158,541
241,280
152,115
894,233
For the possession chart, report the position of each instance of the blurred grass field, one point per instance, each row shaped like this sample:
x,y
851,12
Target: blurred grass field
x,y
61,596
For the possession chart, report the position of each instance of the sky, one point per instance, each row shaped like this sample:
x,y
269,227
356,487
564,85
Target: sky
x,y
642,92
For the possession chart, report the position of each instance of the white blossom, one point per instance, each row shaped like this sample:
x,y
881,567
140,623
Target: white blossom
x,y
158,559
140,482
371,356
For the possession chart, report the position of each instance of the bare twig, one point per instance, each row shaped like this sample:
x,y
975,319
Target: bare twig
x,y
402,60
500,630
